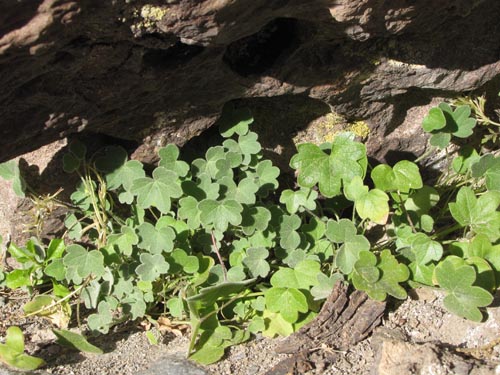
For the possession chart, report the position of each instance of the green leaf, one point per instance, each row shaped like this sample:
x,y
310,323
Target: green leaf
x,y
56,269
369,204
255,218
169,159
289,302
379,278
325,285
256,262
302,276
18,278
55,249
348,253
492,175
125,240
75,341
216,165
425,249
234,120
480,246
208,296
78,149
74,227
81,263
346,160
41,302
102,320
10,171
12,352
20,254
465,124
156,240
440,140
422,200
340,231
267,175
188,210
421,273
462,298
485,273
404,176
298,200
182,261
307,272
467,156
249,146
176,307
110,160
479,213
456,123
244,193
151,267
125,175
289,237
434,120
219,214
479,168
70,163
349,156
275,325
157,191
315,166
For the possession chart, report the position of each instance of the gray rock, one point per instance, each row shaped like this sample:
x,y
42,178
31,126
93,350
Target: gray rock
x,y
171,365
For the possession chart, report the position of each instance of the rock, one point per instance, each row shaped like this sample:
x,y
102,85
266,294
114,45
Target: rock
x,y
154,74
171,365
397,356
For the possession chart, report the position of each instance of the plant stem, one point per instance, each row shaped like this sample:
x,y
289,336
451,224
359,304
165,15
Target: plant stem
x,y
216,249
55,303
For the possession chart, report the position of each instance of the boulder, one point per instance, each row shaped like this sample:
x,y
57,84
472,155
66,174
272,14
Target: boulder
x,y
157,72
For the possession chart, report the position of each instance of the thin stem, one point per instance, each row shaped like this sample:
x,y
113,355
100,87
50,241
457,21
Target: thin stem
x,y
55,303
426,153
446,231
407,214
216,249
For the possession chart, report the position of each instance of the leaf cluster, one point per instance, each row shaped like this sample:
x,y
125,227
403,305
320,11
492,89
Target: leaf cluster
x,y
216,243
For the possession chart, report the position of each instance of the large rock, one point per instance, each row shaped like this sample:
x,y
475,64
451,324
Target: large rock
x,y
161,72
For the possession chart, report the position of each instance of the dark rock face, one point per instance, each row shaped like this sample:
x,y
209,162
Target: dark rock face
x,y
161,72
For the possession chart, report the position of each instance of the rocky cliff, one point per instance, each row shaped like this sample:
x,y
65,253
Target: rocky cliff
x,y
160,71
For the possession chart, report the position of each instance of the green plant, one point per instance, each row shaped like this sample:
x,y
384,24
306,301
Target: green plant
x,y
216,244
12,352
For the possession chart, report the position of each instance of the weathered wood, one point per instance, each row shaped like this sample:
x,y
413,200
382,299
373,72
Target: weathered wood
x,y
344,320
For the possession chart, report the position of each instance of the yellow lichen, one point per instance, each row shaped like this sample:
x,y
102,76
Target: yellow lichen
x,y
153,13
359,128
149,16
325,128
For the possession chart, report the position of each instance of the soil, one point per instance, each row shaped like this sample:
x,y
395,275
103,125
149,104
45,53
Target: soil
x,y
419,319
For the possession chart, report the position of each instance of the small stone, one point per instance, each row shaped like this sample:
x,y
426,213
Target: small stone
x,y
170,365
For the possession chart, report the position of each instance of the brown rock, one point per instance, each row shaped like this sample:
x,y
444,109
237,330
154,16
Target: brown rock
x,y
396,356
155,74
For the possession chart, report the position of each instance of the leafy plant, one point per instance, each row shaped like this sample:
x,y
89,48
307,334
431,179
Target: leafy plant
x,y
12,352
216,244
